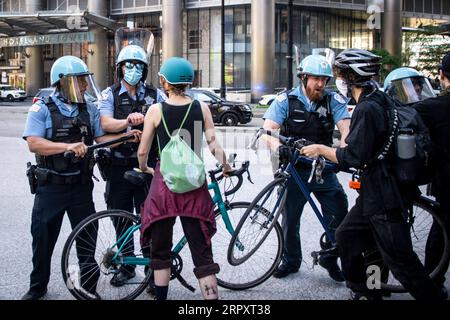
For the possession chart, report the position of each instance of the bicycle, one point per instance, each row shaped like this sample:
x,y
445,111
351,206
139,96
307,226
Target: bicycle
x,y
110,249
253,229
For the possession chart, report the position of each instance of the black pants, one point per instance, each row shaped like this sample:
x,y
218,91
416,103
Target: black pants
x,y
435,242
50,204
334,204
121,194
202,256
389,232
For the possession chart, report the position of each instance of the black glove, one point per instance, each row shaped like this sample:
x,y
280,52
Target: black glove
x,y
284,154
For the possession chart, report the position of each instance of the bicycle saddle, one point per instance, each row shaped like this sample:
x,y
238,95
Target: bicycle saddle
x,y
137,178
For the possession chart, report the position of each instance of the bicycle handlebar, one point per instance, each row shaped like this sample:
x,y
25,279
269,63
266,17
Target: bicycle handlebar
x,y
236,173
291,143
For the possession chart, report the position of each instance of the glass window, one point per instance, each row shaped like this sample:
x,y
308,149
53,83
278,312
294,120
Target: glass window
x,y
51,4
428,6
304,31
229,26
239,70
117,4
313,30
215,25
140,3
239,25
437,7
229,66
446,7
128,4
418,6
409,5
194,34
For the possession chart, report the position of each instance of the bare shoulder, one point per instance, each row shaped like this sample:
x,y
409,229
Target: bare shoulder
x,y
205,108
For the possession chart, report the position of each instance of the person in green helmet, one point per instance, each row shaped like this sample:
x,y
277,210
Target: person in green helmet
x,y
310,112
67,121
162,206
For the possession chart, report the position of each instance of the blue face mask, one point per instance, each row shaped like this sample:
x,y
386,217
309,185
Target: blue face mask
x,y
132,76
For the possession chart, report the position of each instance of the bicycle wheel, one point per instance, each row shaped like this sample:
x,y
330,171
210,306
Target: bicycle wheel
x,y
259,267
257,222
89,259
422,220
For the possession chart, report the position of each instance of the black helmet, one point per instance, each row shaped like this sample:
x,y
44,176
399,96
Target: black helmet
x,y
363,64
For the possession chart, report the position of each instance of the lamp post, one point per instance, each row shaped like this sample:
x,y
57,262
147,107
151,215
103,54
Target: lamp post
x,y
289,58
222,62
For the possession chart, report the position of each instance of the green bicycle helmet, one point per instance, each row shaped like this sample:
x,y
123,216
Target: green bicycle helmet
x,y
177,70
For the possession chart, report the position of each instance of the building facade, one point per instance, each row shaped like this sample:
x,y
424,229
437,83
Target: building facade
x,y
192,28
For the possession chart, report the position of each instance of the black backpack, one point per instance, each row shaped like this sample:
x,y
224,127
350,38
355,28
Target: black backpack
x,y
405,119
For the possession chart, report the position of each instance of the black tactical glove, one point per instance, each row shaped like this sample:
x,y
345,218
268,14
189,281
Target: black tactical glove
x,y
284,154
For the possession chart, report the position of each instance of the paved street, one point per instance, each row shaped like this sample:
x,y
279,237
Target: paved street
x,y
15,217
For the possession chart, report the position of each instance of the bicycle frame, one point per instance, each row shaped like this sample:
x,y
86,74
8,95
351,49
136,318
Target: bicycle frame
x,y
217,199
292,173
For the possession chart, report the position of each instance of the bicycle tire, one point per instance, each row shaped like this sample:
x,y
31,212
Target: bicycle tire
x,y
101,226
421,207
258,268
244,244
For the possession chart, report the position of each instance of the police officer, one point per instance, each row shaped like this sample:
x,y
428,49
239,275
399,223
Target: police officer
x,y
311,112
376,219
408,86
436,115
67,121
124,106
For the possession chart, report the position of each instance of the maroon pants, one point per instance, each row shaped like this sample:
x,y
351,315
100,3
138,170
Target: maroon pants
x,y
161,234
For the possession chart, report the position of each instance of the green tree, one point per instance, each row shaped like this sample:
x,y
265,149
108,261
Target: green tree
x,y
389,62
425,49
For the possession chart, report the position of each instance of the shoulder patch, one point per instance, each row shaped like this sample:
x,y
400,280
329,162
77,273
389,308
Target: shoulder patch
x,y
105,96
35,108
339,98
149,100
281,97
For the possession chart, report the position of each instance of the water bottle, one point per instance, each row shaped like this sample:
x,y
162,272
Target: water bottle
x,y
406,144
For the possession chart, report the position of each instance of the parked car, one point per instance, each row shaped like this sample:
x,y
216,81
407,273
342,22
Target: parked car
x,y
11,93
225,112
42,94
267,99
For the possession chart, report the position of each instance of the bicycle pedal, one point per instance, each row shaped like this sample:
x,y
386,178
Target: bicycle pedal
x,y
315,256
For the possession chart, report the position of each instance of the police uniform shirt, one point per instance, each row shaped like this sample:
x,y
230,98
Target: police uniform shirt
x,y
106,105
39,121
279,109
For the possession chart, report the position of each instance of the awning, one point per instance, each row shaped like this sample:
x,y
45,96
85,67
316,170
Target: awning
x,y
45,22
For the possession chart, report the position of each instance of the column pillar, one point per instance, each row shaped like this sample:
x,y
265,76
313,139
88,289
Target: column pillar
x,y
34,61
392,27
263,47
172,29
97,58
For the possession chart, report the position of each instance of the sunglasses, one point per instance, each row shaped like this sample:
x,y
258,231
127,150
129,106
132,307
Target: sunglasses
x,y
130,65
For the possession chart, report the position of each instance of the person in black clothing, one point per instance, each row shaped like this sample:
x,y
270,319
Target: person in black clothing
x,y
435,112
376,218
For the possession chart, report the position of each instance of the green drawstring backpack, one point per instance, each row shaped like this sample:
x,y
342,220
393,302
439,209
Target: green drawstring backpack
x,y
181,168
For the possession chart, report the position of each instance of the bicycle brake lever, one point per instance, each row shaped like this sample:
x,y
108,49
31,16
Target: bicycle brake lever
x,y
313,170
249,178
319,170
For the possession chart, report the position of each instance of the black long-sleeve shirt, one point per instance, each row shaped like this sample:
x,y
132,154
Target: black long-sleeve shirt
x,y
435,113
369,130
